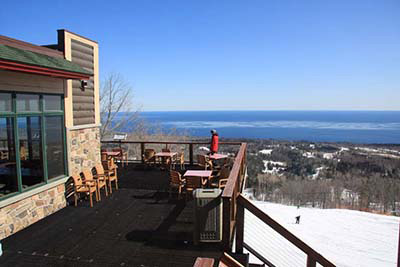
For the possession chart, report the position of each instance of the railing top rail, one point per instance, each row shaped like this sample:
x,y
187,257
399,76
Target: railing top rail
x,y
234,175
166,142
284,232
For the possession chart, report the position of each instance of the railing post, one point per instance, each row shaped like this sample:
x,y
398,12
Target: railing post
x,y
226,224
398,249
142,151
239,228
191,154
311,262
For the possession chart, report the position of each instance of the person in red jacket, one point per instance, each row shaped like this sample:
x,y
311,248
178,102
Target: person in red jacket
x,y
214,142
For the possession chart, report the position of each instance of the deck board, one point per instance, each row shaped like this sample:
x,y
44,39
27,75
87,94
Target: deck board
x,y
138,225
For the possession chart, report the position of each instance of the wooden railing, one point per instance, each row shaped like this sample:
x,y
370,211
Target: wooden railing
x,y
242,203
232,190
191,145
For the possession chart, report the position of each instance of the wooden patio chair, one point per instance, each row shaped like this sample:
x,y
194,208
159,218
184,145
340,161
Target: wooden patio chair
x,y
122,157
220,179
104,155
149,157
81,186
228,261
192,183
110,170
88,176
176,181
179,160
100,176
102,173
228,162
204,162
166,162
3,155
23,152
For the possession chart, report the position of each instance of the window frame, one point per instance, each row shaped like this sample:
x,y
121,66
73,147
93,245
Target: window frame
x,y
42,113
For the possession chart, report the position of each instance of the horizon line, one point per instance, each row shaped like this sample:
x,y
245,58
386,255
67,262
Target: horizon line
x,y
274,110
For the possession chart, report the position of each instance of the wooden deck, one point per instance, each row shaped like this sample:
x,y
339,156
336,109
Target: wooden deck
x,y
138,225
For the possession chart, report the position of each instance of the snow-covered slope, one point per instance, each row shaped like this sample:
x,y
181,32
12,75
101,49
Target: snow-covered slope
x,y
345,237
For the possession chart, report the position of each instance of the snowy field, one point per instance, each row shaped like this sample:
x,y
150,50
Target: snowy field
x,y
345,237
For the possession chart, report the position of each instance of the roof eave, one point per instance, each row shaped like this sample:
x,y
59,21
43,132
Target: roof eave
x,y
10,65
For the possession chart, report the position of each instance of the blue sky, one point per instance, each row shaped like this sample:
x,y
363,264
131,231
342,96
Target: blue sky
x,y
233,55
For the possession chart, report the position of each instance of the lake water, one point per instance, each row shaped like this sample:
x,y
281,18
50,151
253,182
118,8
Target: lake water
x,y
332,126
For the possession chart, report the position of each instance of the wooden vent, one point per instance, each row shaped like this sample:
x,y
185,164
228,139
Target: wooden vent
x,y
83,98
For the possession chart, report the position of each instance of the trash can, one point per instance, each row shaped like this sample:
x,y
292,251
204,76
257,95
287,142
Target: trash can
x,y
207,215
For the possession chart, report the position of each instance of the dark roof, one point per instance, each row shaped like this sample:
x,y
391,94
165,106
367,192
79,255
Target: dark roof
x,y
9,53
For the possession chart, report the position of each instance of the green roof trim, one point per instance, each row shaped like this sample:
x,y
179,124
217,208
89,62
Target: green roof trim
x,y
10,53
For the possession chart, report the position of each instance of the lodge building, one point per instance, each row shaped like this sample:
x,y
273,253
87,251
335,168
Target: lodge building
x,y
49,124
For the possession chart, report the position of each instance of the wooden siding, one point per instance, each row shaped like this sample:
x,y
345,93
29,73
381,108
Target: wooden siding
x,y
83,99
23,82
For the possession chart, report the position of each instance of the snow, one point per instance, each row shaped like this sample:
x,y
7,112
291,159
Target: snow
x,y
367,149
349,195
308,155
317,171
380,152
345,237
279,163
277,166
328,155
266,151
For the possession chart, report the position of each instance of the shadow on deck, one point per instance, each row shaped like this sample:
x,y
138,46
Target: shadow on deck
x,y
138,225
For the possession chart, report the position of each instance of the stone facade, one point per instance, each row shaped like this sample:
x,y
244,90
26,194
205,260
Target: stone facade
x,y
83,152
83,149
25,212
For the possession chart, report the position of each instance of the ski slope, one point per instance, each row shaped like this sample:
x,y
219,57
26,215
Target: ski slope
x,y
345,237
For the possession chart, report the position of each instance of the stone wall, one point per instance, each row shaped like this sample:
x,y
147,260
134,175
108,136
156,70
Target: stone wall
x,y
83,149
25,212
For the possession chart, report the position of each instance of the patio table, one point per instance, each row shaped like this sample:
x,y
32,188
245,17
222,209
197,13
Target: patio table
x,y
166,154
198,173
204,175
111,153
218,156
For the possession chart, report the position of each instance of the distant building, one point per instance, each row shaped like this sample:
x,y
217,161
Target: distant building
x,y
49,124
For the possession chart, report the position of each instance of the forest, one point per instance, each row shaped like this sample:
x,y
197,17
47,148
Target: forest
x,y
326,175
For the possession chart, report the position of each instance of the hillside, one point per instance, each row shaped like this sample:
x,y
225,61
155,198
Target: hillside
x,y
348,238
327,175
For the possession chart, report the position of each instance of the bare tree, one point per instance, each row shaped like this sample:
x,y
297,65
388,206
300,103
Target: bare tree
x,y
117,111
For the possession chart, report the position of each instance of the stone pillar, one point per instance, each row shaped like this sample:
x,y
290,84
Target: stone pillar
x,y
83,149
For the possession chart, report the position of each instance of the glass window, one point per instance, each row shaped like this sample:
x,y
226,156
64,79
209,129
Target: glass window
x,y
22,162
54,146
30,150
8,168
27,102
52,102
5,102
